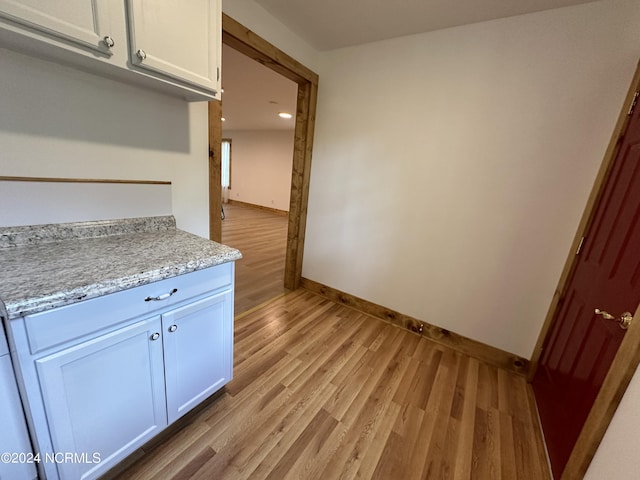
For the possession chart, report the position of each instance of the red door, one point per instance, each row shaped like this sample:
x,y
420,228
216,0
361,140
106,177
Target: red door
x,y
581,345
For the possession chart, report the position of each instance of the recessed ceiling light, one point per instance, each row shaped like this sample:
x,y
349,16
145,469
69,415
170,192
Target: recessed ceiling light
x,y
285,115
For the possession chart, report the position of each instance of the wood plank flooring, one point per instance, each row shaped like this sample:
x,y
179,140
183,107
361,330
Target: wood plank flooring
x,y
261,236
321,391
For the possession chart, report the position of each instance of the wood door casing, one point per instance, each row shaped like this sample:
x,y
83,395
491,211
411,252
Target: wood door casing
x,y
581,346
215,170
247,42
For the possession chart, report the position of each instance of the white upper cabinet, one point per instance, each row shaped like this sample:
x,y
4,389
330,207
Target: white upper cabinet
x,y
80,22
170,46
177,39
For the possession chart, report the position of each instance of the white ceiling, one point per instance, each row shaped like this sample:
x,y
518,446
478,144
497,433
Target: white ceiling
x,y
330,24
254,95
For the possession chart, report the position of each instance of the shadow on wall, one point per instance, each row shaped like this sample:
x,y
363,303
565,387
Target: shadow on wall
x,y
44,99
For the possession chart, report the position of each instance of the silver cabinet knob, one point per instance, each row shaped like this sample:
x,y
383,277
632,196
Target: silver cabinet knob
x,y
108,41
155,336
141,54
173,328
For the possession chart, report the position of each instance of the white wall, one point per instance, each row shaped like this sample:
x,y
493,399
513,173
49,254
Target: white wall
x,y
599,65
35,203
261,162
59,122
258,20
450,169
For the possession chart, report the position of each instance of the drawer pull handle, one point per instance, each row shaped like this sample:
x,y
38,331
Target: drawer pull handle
x,y
164,296
173,328
155,336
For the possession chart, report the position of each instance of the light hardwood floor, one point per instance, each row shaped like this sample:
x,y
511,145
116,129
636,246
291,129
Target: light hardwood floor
x,y
261,236
323,391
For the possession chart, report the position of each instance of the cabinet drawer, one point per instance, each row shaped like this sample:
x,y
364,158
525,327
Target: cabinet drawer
x,y
48,329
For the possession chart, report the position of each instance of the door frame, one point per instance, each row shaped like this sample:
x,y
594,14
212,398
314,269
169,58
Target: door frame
x,y
628,356
250,44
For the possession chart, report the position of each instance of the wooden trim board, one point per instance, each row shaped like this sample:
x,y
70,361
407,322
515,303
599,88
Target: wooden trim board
x,y
300,179
250,44
480,351
82,180
215,171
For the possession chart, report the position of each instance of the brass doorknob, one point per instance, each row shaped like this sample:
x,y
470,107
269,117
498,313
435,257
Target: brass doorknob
x,y
624,321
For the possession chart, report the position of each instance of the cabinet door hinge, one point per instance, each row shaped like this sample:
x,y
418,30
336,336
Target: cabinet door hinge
x,y
580,246
634,101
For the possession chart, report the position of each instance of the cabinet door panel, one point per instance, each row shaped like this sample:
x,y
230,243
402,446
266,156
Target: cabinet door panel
x,y
81,22
179,39
104,396
14,437
198,353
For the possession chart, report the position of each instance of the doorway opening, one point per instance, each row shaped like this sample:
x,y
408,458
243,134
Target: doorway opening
x,y
241,39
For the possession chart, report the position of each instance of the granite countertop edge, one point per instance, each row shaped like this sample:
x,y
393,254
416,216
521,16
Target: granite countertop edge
x,y
199,253
75,295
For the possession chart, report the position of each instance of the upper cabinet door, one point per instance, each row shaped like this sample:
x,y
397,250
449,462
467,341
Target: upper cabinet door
x,y
178,39
80,22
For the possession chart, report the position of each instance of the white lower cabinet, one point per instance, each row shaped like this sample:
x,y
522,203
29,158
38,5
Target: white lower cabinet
x,y
14,439
97,390
104,397
192,340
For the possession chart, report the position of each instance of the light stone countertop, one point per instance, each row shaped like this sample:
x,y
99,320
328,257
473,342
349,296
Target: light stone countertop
x,y
49,266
